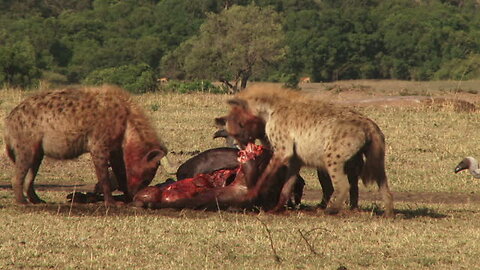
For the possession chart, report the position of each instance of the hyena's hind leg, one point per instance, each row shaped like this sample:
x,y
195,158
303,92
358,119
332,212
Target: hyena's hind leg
x,y
297,192
353,168
341,189
32,173
327,187
345,145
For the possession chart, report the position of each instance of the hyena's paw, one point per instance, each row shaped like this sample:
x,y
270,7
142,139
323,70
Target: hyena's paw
x,y
389,214
139,204
277,210
332,210
37,201
322,205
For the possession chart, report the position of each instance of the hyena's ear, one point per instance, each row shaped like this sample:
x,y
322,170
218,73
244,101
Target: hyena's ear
x,y
154,156
238,102
220,122
221,133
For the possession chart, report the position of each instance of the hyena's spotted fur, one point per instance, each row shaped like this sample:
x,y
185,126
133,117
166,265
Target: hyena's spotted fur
x,y
307,132
66,123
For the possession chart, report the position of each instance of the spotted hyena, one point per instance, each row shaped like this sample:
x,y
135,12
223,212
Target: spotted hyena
x,y
66,123
251,128
307,132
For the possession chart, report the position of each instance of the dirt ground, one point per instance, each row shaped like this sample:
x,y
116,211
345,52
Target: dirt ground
x,y
314,195
394,96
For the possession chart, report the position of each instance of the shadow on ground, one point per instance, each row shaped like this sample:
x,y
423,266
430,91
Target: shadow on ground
x,y
313,196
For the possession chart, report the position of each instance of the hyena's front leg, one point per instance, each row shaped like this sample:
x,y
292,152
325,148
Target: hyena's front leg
x,y
23,163
101,170
286,193
118,168
17,183
273,166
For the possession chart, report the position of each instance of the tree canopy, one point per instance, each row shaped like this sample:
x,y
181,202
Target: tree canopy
x,y
231,46
274,40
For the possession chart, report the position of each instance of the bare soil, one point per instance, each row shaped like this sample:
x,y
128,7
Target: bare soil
x,y
312,195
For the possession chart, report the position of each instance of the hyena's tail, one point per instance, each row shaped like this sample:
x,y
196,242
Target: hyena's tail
x,y
9,149
374,169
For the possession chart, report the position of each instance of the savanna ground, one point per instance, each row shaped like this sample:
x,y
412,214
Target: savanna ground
x,y
437,212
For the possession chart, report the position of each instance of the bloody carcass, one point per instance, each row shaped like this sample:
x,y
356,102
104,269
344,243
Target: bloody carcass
x,y
218,189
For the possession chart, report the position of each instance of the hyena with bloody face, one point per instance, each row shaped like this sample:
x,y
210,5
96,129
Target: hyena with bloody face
x,y
66,123
307,132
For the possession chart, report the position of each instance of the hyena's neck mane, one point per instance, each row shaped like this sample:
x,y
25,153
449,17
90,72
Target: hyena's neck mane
x,y
140,133
262,100
141,126
140,138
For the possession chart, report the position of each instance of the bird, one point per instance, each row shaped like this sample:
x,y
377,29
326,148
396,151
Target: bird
x,y
471,164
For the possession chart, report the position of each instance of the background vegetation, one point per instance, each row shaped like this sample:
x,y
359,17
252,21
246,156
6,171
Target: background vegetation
x,y
75,41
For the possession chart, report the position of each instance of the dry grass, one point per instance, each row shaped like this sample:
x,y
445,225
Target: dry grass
x,y
424,144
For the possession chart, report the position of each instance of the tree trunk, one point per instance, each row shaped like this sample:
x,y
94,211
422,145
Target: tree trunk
x,y
244,77
231,88
243,85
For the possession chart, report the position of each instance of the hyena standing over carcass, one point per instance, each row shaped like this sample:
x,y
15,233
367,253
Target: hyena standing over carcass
x,y
66,123
308,132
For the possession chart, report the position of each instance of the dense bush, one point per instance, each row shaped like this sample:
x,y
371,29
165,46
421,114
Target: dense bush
x,y
18,65
135,78
460,69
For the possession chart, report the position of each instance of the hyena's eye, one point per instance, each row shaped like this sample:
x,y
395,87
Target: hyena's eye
x,y
240,125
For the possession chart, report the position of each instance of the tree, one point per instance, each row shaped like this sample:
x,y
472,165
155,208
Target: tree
x,y
232,46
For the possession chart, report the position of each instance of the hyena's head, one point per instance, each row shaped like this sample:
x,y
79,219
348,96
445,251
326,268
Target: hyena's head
x,y
141,167
241,124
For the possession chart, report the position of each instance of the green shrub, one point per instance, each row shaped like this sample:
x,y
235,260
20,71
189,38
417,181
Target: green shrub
x,y
192,86
135,78
460,69
18,65
290,81
54,78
